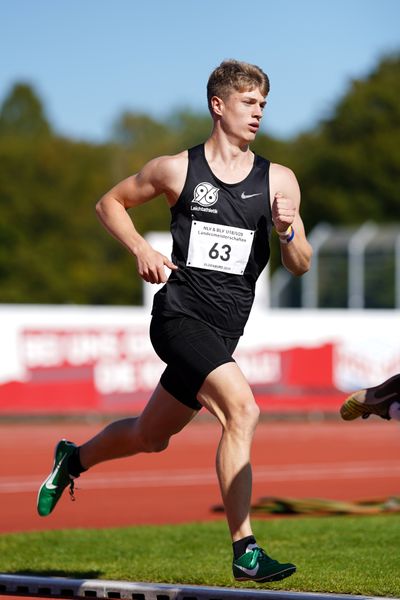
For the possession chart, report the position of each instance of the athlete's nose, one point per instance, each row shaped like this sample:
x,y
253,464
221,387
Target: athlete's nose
x,y
258,113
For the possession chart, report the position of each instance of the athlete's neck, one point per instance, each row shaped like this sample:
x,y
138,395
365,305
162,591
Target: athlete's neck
x,y
229,162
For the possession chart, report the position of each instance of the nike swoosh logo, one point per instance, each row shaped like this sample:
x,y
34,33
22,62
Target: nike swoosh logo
x,y
49,483
245,196
249,572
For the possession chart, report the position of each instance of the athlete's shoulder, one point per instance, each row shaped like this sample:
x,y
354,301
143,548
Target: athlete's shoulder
x,y
168,166
282,179
167,174
281,176
280,171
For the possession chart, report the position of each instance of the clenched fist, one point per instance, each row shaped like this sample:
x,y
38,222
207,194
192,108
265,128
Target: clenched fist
x,y
283,212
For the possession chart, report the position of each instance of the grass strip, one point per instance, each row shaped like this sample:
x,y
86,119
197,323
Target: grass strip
x,y
347,554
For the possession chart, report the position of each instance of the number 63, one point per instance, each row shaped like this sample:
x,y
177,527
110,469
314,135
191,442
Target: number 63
x,y
215,253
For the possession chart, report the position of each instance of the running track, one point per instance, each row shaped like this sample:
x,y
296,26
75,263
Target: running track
x,y
336,460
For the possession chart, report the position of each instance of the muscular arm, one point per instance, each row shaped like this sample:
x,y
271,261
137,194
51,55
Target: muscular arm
x,y
161,175
285,204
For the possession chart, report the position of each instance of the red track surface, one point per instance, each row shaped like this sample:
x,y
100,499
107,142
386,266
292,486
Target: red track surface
x,y
334,460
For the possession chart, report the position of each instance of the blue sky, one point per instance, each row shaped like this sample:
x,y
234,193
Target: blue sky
x,y
91,59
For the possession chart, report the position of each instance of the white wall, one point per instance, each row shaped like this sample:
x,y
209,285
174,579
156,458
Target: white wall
x,y
366,343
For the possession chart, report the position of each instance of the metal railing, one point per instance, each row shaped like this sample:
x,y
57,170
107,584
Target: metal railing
x,y
352,267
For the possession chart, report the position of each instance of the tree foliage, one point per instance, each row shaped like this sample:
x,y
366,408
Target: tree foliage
x,y
22,114
350,167
53,250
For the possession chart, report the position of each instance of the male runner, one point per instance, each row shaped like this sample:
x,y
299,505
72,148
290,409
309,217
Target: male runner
x,y
382,400
224,201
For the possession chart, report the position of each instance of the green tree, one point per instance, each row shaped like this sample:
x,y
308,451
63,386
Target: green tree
x,y
140,133
350,166
53,250
22,113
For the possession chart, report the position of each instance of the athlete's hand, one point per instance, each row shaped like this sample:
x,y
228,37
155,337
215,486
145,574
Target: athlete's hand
x,y
151,264
283,212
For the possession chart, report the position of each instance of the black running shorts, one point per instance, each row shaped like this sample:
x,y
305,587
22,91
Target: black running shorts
x,y
191,350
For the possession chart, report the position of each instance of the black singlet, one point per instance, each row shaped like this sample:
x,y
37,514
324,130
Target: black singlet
x,y
220,237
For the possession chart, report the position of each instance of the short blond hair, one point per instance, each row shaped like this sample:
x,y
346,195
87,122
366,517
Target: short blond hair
x,y
235,75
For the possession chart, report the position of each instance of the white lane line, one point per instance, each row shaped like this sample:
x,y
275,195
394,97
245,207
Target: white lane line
x,y
197,477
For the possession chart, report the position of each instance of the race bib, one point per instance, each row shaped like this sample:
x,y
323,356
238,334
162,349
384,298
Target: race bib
x,y
219,247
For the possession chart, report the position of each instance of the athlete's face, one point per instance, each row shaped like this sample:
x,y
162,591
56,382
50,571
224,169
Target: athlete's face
x,y
241,114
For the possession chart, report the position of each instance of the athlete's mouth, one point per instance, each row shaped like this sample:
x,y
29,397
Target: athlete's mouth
x,y
254,126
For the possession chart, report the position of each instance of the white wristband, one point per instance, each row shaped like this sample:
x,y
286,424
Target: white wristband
x,y
287,236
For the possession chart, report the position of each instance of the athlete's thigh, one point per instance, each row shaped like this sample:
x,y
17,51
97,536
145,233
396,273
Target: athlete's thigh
x,y
163,415
192,350
226,391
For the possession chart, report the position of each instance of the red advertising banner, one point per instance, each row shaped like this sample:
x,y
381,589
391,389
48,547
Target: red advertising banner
x,y
114,370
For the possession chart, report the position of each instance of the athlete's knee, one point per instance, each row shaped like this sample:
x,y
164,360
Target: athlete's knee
x,y
153,443
157,445
243,416
249,413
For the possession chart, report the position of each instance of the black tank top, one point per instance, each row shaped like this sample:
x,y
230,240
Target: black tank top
x,y
220,237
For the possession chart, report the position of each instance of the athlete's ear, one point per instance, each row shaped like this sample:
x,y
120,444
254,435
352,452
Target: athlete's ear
x,y
216,105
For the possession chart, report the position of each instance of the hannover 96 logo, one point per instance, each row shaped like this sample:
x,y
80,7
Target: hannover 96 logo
x,y
205,194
